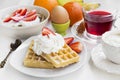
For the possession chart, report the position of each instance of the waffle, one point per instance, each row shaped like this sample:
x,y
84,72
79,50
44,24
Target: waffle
x,y
35,61
63,57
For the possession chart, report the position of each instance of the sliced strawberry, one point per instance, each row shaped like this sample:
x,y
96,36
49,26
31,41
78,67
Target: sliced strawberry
x,y
17,18
68,40
7,19
13,14
23,12
46,31
76,46
31,13
16,12
30,18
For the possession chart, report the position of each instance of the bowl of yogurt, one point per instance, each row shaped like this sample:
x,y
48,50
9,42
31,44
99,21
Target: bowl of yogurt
x,y
23,21
111,45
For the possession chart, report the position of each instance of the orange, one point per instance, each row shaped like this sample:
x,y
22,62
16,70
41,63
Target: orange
x,y
74,10
48,4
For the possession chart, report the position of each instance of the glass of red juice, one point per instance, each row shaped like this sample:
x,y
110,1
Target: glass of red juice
x,y
97,22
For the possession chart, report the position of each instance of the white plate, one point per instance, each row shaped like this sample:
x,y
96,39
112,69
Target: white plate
x,y
17,58
100,61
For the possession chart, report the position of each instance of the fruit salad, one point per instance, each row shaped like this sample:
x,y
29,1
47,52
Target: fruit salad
x,y
21,17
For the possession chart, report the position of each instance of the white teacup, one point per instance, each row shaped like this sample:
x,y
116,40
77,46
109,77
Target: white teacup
x,y
111,45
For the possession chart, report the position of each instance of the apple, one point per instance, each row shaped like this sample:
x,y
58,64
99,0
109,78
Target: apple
x,y
62,2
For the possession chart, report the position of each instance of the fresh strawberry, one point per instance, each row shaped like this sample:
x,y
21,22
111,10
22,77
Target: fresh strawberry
x,y
30,18
46,31
31,13
7,19
16,12
17,18
23,12
13,14
68,40
76,46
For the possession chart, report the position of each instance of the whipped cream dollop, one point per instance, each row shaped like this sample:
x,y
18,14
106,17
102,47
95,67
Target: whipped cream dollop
x,y
48,44
21,23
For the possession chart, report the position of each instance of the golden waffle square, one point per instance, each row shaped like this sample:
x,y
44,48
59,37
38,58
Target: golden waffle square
x,y
63,57
35,61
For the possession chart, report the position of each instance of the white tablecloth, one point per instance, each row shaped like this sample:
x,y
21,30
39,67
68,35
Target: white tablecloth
x,y
88,72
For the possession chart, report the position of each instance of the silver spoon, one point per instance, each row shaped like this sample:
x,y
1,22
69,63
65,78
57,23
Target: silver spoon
x,y
13,46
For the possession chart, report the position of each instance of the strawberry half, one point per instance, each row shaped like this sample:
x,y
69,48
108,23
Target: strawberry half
x,y
17,18
68,40
23,12
16,12
46,31
31,13
30,18
13,14
76,46
7,19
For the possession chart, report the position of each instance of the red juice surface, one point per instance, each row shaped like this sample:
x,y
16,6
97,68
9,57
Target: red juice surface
x,y
98,22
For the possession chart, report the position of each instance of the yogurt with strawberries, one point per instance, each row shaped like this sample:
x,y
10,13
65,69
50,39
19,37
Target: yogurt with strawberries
x,y
21,23
21,17
48,43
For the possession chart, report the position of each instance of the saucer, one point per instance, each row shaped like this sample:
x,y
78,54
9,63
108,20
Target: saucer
x,y
83,36
99,59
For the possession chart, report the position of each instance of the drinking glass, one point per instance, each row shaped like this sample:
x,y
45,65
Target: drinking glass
x,y
97,22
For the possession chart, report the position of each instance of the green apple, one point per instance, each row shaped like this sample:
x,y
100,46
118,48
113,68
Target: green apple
x,y
62,2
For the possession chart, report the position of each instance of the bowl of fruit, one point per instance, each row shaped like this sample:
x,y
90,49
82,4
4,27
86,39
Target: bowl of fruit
x,y
23,21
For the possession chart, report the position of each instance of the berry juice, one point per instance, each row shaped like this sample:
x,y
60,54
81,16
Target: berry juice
x,y
98,22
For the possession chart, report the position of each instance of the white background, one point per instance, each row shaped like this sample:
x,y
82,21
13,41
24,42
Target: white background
x,y
88,72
